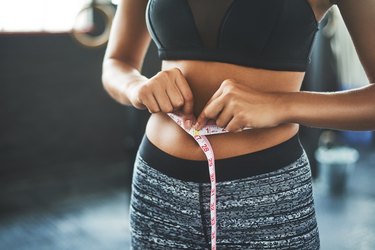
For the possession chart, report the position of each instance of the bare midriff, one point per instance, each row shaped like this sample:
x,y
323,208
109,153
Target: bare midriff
x,y
205,78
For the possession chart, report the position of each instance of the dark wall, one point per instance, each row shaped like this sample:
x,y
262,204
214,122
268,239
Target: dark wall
x,y
57,124
54,108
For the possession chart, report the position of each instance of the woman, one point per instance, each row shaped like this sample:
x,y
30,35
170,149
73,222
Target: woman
x,y
240,64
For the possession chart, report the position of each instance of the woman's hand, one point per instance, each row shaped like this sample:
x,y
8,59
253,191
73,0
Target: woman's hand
x,y
235,106
167,91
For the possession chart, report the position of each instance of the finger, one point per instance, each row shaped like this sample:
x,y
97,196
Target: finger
x,y
151,104
217,93
177,102
186,93
187,108
224,117
234,125
175,97
163,101
211,111
215,96
202,119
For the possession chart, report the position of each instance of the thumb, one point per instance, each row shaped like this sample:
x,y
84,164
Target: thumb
x,y
187,114
188,120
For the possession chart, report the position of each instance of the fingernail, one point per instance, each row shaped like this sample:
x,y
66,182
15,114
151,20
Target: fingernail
x,y
196,126
187,124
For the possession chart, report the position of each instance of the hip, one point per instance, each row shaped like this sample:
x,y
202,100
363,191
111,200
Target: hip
x,y
166,135
227,169
273,210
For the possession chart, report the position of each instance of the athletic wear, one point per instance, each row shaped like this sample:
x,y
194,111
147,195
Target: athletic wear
x,y
259,162
272,210
270,34
264,198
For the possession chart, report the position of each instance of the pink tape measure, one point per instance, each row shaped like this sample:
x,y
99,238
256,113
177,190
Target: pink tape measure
x,y
201,139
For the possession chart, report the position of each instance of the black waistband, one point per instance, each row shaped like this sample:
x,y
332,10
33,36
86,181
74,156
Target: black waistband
x,y
263,161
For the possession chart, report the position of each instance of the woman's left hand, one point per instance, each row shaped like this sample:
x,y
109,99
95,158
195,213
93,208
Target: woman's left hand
x,y
236,106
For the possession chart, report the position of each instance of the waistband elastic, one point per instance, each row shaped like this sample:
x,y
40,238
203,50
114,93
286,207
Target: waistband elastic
x,y
237,167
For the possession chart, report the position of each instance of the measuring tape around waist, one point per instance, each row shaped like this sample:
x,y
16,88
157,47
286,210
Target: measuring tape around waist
x,y
200,137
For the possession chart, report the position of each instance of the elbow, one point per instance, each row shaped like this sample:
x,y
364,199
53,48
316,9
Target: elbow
x,y
369,123
372,117
106,85
104,79
105,75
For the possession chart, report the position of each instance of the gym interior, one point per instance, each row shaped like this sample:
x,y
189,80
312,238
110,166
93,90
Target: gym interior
x,y
67,148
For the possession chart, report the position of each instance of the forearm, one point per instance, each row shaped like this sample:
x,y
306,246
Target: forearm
x,y
342,110
118,77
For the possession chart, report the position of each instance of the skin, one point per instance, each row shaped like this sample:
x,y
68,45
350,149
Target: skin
x,y
269,102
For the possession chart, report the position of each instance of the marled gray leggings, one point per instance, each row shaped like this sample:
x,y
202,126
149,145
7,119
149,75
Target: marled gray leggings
x,y
273,210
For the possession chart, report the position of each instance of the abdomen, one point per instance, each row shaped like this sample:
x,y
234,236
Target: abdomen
x,y
205,78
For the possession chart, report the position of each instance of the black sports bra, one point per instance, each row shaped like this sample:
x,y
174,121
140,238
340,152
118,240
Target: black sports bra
x,y
270,34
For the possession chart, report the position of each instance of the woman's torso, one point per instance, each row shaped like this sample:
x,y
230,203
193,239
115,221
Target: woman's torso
x,y
204,78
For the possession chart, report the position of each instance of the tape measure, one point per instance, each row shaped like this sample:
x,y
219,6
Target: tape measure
x,y
200,137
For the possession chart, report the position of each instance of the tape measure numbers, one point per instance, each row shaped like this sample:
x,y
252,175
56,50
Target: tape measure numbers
x,y
200,137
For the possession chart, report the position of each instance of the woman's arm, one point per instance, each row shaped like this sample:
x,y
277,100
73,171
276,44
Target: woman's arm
x,y
126,49
235,106
167,91
348,110
344,110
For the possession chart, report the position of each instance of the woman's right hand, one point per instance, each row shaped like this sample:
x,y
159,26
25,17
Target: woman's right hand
x,y
167,91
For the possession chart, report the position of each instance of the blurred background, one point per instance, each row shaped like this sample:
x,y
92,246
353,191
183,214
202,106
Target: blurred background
x,y
67,149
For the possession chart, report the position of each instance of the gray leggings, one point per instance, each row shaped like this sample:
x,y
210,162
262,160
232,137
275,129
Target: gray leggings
x,y
272,210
